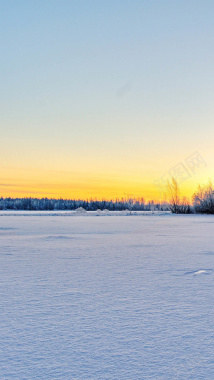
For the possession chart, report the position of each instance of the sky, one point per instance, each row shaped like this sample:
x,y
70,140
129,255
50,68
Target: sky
x,y
106,98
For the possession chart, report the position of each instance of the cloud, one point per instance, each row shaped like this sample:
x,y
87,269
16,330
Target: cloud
x,y
8,185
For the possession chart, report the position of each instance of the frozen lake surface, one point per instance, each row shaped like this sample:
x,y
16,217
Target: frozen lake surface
x,y
120,297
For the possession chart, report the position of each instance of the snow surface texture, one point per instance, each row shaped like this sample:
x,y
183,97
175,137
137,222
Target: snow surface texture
x,y
80,211
107,298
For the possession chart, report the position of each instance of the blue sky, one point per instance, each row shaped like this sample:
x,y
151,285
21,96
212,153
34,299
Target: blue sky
x,y
105,89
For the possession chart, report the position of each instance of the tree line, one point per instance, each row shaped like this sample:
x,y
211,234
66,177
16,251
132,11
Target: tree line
x,y
47,204
202,202
202,199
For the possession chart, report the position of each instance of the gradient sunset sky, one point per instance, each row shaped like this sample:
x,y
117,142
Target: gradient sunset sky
x,y
104,98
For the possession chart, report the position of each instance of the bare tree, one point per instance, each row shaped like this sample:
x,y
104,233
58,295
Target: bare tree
x,y
173,195
129,202
203,199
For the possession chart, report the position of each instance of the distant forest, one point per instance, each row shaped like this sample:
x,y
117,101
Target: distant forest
x,y
33,204
202,202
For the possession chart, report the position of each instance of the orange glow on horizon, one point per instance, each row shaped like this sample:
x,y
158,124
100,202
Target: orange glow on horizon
x,y
98,183
95,189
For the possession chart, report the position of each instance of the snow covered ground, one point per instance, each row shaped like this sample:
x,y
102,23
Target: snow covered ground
x,y
126,297
80,211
